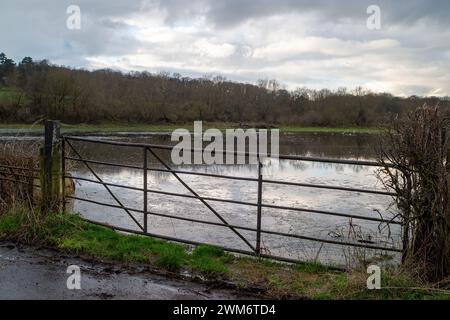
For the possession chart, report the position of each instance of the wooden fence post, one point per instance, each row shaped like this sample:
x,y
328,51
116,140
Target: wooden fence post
x,y
50,168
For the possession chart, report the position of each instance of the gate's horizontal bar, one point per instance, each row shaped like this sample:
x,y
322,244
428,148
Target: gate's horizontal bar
x,y
194,173
104,163
204,198
318,186
289,235
330,213
329,160
345,215
281,157
104,183
351,244
160,214
162,192
200,221
278,182
238,178
162,170
275,207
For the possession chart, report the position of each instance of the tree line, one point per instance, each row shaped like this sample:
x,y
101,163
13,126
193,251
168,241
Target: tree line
x,y
32,90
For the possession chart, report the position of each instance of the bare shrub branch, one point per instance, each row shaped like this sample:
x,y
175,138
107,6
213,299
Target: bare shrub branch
x,y
414,160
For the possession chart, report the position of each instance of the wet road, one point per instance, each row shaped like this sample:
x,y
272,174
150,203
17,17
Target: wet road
x,y
26,273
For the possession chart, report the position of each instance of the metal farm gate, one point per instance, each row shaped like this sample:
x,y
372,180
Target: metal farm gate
x,y
252,248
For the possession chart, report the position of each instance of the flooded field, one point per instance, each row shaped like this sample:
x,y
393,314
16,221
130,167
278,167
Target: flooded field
x,y
301,223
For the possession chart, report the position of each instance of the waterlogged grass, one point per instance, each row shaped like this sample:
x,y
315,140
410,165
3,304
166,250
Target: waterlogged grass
x,y
110,128
69,233
116,127
339,130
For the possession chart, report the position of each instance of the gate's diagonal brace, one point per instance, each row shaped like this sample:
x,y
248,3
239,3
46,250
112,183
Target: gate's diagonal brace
x,y
202,200
106,187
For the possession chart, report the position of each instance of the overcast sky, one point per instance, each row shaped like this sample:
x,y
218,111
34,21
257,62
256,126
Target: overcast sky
x,y
312,43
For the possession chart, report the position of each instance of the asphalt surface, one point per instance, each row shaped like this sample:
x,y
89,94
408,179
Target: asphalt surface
x,y
28,273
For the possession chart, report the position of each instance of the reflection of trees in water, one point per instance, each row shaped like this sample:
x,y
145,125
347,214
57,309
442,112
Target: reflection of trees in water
x,y
339,167
284,165
329,145
107,153
271,167
304,165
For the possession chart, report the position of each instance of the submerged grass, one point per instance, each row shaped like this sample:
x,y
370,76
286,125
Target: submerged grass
x,y
69,233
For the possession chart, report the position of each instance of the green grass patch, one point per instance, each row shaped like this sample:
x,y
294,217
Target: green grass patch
x,y
211,260
9,225
69,233
337,130
115,127
8,93
311,267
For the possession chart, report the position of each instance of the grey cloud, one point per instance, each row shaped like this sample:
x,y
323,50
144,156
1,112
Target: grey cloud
x,y
228,13
39,29
418,62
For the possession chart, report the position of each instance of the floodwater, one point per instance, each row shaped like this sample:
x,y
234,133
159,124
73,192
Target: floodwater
x,y
340,146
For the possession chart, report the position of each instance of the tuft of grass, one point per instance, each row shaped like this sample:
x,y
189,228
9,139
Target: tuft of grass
x,y
171,257
211,260
311,267
9,225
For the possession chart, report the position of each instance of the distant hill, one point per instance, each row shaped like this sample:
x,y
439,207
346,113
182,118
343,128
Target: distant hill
x,y
31,90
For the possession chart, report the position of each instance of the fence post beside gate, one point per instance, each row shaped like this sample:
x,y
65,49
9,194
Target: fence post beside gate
x,y
50,167
258,224
63,174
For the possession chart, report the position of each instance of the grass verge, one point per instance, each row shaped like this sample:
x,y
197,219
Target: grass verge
x,y
107,128
69,233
